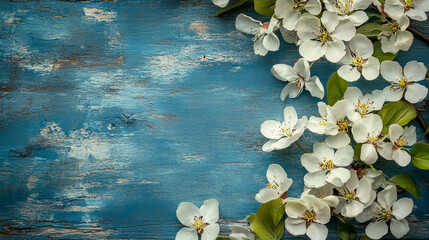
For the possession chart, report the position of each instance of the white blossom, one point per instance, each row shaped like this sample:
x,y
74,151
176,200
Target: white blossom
x,y
307,215
201,220
349,9
298,78
334,122
291,10
404,80
282,135
278,184
324,193
399,138
387,208
395,36
354,196
376,179
325,165
364,105
414,9
368,131
241,233
324,37
264,37
289,36
359,59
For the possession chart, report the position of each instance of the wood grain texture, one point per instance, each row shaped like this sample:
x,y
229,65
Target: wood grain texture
x,y
114,112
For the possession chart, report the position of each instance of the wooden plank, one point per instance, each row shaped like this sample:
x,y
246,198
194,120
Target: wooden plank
x,y
114,112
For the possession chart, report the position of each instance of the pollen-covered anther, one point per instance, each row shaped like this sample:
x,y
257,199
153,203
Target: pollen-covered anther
x,y
382,215
199,224
299,5
309,216
343,125
326,164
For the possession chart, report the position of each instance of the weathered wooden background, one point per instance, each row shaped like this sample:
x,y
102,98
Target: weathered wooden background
x,y
114,112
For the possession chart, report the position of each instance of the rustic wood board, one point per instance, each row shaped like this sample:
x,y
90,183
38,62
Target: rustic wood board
x,y
186,96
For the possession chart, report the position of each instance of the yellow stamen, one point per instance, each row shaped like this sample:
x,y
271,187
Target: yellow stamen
x,y
309,216
343,125
298,5
326,164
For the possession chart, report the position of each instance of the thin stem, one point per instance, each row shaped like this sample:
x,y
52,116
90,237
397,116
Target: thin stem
x,y
418,34
303,149
419,116
312,63
340,218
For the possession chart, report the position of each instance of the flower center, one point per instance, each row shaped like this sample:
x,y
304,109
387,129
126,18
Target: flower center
x,y
199,224
382,215
403,82
363,107
323,35
343,125
394,27
349,195
274,186
286,130
298,5
401,141
309,216
373,136
408,4
326,164
346,6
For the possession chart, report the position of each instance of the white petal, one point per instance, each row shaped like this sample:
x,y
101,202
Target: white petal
x,y
210,211
295,209
307,27
395,131
314,7
376,230
211,232
314,180
315,87
265,195
401,157
284,72
368,153
295,226
362,46
371,69
387,197
377,97
271,42
358,18
338,176
317,231
353,94
290,116
276,172
302,68
367,213
290,19
246,24
360,132
399,228
335,50
411,137
241,233
402,208
310,162
415,71
259,48
271,129
391,95
330,20
343,157
186,212
283,8
268,146
187,234
321,150
338,141
416,15
395,9
385,150
352,209
353,182
315,124
291,90
404,40
364,190
345,31
349,73
221,3
289,36
391,71
312,50
416,93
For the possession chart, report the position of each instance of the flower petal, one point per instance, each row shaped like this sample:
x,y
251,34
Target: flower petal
x,y
402,208
364,190
415,71
295,209
338,141
338,176
246,24
349,73
416,93
376,230
211,232
362,46
399,228
312,50
343,157
391,71
265,195
371,69
352,209
187,234
314,180
368,153
317,231
186,212
271,42
401,157
335,50
385,150
310,162
271,129
367,213
295,226
210,211
284,72
290,116
315,87
387,197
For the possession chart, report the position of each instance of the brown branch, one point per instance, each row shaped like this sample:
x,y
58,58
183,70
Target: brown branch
x,y
418,34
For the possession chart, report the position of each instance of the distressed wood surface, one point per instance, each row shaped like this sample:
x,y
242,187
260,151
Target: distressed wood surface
x,y
114,112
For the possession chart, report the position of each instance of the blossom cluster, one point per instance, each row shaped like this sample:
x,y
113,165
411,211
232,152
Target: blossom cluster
x,y
359,129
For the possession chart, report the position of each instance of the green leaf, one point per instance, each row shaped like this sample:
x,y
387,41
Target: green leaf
x,y
427,131
222,10
371,29
365,237
378,15
265,7
357,150
336,88
378,53
346,231
406,182
420,155
396,112
268,222
251,217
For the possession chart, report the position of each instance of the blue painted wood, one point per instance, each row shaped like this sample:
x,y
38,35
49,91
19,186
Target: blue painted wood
x,y
114,112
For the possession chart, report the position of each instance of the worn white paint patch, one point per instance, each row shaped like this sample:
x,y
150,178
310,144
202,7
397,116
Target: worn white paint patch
x,y
193,157
99,15
80,143
200,28
41,67
9,18
31,182
148,182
